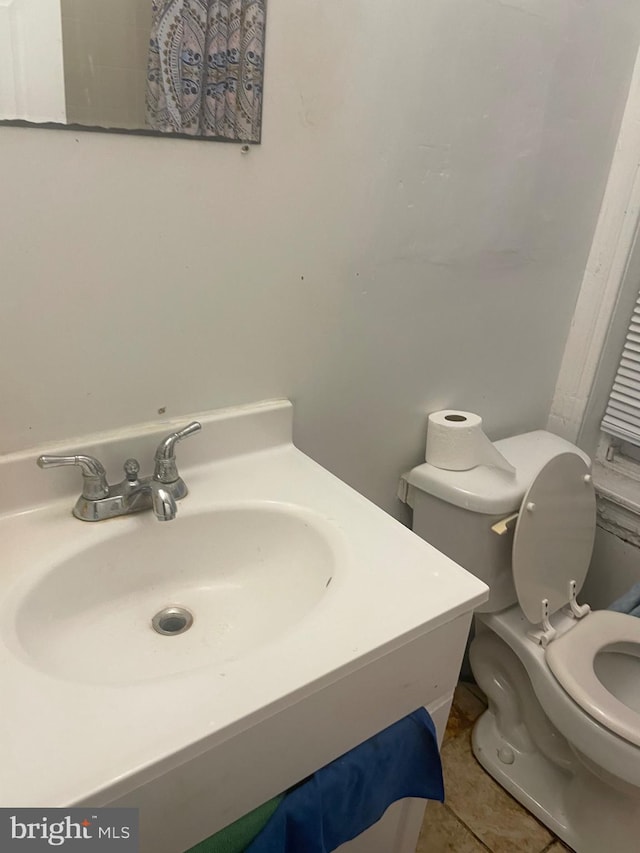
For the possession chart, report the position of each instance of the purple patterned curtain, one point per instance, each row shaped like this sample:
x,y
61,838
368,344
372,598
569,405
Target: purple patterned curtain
x,y
204,74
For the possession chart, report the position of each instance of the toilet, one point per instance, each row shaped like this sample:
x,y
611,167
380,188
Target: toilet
x,y
562,730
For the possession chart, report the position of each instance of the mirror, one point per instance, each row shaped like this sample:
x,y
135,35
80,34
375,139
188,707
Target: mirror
x,y
190,68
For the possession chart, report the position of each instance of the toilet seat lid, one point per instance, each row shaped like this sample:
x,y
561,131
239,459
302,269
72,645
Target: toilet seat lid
x,y
571,659
554,535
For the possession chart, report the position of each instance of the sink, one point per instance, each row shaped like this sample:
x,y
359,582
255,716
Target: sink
x,y
245,574
317,621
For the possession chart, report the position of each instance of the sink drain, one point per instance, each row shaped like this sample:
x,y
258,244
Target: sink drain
x,y
172,620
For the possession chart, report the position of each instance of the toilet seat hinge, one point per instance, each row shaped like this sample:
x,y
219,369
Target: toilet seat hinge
x,y
576,610
544,636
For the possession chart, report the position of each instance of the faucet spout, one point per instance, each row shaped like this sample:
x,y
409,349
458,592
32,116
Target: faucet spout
x,y
164,504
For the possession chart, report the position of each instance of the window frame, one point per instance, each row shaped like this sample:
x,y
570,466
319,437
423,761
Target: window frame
x,y
608,294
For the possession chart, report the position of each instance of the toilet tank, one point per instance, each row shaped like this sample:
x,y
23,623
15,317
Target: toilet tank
x,y
455,510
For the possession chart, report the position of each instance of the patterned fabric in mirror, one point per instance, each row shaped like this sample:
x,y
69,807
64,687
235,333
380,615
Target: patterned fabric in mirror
x,y
205,68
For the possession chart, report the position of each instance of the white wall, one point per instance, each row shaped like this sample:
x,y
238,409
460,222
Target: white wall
x,y
410,235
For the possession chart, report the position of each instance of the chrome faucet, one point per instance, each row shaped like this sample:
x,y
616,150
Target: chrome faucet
x,y
159,492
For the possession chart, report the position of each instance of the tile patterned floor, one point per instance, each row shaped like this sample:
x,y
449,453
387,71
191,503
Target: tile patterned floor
x,y
479,815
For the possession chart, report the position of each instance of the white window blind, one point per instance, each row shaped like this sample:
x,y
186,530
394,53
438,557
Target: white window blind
x,y
622,416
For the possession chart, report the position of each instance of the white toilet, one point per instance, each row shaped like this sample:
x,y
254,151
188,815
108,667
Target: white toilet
x,y
562,731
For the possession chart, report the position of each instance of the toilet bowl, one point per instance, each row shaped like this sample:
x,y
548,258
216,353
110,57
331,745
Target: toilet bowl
x,y
562,730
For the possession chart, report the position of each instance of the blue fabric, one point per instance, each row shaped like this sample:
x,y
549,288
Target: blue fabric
x,y
347,796
629,602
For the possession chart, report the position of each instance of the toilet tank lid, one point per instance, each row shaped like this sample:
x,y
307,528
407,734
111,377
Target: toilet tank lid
x,y
490,490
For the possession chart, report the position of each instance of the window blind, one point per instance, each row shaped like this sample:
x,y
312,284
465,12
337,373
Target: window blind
x,y
622,415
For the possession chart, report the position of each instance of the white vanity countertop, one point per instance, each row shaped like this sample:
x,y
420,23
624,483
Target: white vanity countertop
x,y
64,742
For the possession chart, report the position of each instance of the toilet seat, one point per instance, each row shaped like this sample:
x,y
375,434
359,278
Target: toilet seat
x,y
551,553
554,537
571,657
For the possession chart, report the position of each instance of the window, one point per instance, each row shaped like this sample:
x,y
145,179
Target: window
x,y
611,428
622,414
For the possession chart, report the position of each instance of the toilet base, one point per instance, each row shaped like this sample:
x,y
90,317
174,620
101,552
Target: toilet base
x,y
531,779
517,744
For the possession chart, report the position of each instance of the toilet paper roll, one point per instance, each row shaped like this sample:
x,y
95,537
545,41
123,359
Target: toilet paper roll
x,y
456,442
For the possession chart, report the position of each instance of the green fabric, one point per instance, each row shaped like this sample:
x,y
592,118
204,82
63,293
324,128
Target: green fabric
x,y
236,837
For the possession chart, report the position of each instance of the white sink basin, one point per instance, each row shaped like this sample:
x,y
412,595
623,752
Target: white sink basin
x,y
246,573
317,621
